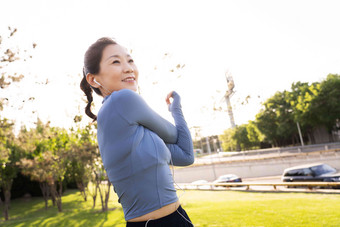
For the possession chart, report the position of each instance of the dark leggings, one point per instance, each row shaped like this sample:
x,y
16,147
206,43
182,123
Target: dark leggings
x,y
171,220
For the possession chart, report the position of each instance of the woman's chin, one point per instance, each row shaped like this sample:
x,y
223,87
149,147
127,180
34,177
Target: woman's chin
x,y
133,88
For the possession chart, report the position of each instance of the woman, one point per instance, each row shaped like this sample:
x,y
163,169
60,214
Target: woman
x,y
136,144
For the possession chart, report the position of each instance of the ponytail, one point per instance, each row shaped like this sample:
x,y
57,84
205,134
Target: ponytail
x,y
86,88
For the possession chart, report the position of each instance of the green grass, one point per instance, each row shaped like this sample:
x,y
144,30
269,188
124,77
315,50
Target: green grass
x,y
205,208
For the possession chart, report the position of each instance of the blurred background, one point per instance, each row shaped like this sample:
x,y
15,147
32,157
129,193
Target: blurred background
x,y
188,46
259,82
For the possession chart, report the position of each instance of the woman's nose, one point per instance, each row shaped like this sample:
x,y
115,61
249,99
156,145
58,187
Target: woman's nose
x,y
128,68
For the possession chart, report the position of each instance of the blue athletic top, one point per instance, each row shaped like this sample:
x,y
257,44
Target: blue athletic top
x,y
136,145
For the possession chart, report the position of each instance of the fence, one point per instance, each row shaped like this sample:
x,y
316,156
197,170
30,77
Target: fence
x,y
296,149
213,186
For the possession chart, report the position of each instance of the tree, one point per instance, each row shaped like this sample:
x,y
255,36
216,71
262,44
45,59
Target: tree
x,y
325,107
300,99
254,135
228,143
104,185
312,106
241,137
37,162
276,121
10,153
36,169
84,152
59,145
47,161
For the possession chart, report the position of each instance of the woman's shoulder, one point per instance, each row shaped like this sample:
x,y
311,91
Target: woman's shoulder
x,y
124,95
116,100
125,92
121,99
121,94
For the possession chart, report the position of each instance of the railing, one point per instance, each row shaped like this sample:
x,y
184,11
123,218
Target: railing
x,y
212,186
296,149
274,153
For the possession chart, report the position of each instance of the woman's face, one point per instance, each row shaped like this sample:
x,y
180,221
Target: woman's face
x,y
117,70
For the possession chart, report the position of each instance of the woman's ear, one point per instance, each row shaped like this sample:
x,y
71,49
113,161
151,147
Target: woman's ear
x,y
90,78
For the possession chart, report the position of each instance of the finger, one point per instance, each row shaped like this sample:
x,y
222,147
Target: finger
x,y
168,98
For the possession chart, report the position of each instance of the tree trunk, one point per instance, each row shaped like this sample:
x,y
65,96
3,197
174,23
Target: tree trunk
x,y
104,196
82,187
53,193
58,197
45,189
94,201
101,198
107,195
94,196
7,193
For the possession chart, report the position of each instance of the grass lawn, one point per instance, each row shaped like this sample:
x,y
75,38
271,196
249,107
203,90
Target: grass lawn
x,y
205,208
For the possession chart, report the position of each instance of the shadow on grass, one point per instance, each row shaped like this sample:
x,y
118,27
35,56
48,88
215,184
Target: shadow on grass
x,y
20,207
69,217
81,218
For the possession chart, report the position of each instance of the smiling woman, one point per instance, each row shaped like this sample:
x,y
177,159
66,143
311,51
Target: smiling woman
x,y
136,144
117,71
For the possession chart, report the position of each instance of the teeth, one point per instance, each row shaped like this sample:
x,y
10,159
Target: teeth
x,y
129,79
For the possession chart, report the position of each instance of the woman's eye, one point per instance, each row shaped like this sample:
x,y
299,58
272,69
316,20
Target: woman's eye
x,y
115,62
131,61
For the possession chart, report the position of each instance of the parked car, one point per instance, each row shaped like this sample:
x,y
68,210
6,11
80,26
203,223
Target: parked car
x,y
201,186
228,178
197,152
199,182
317,172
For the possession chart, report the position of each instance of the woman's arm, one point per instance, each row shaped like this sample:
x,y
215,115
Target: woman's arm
x,y
135,110
182,153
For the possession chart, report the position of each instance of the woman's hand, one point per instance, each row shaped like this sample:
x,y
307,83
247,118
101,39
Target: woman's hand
x,y
176,102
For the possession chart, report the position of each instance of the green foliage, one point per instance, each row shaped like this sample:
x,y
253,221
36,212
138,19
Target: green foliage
x,y
254,135
54,153
83,157
245,136
10,153
300,99
311,105
275,121
46,162
228,143
325,107
241,137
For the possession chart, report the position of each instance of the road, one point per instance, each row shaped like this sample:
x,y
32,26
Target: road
x,y
269,179
251,168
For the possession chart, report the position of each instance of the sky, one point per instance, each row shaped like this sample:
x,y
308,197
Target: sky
x,y
265,45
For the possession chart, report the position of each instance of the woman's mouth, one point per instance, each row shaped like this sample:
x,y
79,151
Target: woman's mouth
x,y
129,79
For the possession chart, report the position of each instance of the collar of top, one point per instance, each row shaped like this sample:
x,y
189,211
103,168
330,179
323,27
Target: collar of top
x,y
106,97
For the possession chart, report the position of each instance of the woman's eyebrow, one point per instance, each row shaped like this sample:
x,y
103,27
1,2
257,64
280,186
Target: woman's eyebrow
x,y
117,56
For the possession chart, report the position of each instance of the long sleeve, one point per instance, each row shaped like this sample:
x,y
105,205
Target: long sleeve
x,y
135,110
182,151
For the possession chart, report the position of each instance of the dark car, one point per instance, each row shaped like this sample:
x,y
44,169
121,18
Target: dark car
x,y
228,178
318,172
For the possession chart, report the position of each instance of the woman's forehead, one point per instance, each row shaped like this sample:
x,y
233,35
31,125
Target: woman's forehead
x,y
114,50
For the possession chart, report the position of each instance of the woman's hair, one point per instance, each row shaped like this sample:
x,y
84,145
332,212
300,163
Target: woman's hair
x,y
92,60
